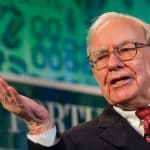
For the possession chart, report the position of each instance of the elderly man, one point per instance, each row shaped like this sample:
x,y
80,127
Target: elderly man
x,y
119,52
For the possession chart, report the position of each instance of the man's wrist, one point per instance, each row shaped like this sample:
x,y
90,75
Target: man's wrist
x,y
36,128
46,138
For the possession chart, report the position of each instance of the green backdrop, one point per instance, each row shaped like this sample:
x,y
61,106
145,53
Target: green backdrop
x,y
47,38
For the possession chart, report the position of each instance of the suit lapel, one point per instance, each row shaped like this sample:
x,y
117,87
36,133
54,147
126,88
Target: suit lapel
x,y
119,133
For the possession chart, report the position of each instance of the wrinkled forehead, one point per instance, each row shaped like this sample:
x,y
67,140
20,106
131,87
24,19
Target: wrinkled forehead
x,y
115,31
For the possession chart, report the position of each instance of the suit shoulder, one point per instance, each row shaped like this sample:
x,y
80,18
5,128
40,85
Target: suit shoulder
x,y
82,135
85,125
94,126
83,129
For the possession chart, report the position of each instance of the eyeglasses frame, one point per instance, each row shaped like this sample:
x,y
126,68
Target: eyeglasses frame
x,y
138,45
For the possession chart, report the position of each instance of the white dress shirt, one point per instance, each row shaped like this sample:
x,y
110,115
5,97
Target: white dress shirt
x,y
48,138
133,120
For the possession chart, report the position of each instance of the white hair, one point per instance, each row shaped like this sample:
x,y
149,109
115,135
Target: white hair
x,y
112,15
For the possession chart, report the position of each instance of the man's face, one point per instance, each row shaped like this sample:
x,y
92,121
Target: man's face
x,y
123,82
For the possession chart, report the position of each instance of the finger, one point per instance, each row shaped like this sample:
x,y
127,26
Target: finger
x,y
3,86
11,91
11,95
3,82
9,100
7,93
3,93
3,89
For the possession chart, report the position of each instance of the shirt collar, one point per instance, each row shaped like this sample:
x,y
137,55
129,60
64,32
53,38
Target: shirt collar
x,y
129,115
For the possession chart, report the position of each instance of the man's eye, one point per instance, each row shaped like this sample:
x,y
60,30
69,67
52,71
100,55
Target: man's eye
x,y
126,49
102,56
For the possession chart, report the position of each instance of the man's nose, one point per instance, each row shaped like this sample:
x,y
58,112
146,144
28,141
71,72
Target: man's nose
x,y
114,62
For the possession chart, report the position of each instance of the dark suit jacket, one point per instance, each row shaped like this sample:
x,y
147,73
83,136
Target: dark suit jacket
x,y
109,131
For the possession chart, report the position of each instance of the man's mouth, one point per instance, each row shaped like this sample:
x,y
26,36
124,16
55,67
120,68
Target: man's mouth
x,y
120,81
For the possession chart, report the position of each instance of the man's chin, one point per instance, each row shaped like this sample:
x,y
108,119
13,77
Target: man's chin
x,y
126,104
121,100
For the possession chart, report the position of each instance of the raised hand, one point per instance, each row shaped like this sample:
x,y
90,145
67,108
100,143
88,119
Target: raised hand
x,y
35,116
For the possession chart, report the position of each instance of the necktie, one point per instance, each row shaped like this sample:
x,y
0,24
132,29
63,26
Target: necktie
x,y
144,115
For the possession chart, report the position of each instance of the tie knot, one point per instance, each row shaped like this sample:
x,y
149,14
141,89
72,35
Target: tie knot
x,y
143,112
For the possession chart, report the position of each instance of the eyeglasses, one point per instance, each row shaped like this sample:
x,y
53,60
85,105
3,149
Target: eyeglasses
x,y
125,51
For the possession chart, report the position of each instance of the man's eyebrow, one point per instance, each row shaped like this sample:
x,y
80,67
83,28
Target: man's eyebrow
x,y
103,49
121,43
98,50
124,42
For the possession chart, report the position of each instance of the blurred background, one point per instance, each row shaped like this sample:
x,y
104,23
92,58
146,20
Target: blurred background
x,y
43,55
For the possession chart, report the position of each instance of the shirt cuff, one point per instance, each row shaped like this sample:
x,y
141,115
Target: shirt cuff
x,y
45,139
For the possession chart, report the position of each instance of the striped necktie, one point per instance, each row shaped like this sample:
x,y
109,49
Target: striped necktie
x,y
144,115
